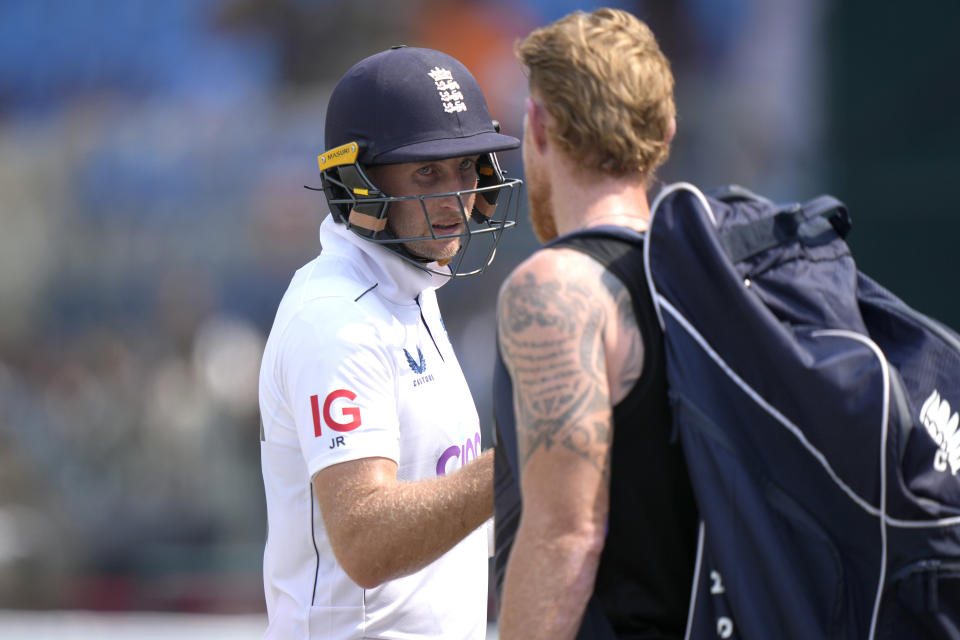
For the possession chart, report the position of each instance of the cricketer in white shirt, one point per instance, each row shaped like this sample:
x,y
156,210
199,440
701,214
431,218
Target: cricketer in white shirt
x,y
358,365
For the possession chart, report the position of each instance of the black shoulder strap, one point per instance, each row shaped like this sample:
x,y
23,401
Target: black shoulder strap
x,y
817,222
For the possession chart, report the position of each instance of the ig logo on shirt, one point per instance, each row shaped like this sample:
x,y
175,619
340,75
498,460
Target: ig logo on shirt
x,y
350,416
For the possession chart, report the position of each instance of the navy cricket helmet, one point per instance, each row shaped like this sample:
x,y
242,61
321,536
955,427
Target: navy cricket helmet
x,y
409,104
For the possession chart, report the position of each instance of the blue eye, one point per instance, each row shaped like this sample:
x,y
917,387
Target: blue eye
x,y
466,163
425,171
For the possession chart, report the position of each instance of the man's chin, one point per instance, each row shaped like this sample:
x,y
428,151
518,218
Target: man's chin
x,y
428,254
542,222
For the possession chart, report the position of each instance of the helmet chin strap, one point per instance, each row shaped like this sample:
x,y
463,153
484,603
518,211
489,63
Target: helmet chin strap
x,y
366,221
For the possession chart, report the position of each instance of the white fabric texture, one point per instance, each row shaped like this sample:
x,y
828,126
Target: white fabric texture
x,y
358,364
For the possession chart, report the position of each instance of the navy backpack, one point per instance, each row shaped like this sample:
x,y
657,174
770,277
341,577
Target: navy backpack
x,y
818,416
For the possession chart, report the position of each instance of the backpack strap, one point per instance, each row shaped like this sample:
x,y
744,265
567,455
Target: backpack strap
x,y
736,192
817,222
822,205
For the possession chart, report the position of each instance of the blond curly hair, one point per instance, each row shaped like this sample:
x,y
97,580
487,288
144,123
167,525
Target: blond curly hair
x,y
608,88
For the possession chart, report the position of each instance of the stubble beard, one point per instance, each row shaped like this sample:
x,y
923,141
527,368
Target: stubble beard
x,y
540,195
424,249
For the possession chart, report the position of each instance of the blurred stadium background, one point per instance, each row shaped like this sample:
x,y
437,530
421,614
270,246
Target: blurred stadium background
x,y
152,210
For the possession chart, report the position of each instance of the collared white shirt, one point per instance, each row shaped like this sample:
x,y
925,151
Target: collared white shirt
x,y
357,365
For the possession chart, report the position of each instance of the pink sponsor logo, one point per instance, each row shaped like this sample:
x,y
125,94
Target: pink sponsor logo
x,y
464,453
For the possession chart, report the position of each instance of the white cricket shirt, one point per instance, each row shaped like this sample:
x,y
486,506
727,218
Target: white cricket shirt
x,y
357,365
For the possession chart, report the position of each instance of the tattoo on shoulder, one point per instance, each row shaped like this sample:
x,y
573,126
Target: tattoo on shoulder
x,y
551,339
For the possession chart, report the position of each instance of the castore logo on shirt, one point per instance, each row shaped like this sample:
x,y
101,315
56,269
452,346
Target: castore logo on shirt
x,y
414,365
352,412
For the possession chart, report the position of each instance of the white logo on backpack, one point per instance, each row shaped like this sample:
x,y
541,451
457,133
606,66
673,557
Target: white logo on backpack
x,y
942,425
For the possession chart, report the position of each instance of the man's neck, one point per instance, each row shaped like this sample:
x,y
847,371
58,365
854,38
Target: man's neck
x,y
582,200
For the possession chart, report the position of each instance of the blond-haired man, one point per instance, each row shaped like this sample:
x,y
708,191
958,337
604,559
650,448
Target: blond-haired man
x,y
603,545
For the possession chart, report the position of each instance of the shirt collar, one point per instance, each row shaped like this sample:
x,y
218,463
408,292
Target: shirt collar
x,y
397,280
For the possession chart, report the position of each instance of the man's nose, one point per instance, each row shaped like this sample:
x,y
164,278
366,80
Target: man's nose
x,y
452,202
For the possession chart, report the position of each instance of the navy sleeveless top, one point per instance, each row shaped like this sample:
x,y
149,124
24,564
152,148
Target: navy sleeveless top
x,y
645,574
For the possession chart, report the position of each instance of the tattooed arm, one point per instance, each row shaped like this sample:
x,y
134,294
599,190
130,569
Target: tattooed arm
x,y
569,340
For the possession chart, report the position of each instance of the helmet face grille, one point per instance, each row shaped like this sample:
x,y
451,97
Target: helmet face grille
x,y
365,212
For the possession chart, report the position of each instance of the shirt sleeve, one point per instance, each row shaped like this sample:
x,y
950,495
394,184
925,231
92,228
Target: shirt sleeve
x,y
341,385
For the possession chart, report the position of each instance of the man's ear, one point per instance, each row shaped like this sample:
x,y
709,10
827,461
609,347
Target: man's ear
x,y
537,124
671,130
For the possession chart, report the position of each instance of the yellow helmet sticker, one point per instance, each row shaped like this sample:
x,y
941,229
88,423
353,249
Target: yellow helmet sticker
x,y
344,154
